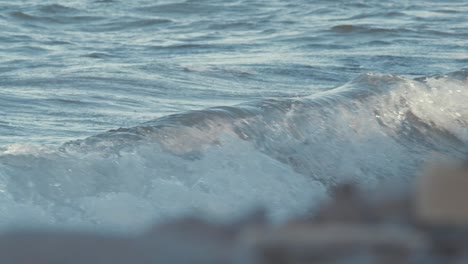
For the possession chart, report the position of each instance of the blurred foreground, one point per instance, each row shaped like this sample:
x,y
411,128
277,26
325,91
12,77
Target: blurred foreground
x,y
426,225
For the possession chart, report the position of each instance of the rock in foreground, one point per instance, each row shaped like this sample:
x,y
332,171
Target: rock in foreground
x,y
429,225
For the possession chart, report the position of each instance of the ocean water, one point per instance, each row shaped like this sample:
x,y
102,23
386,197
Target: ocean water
x,y
116,113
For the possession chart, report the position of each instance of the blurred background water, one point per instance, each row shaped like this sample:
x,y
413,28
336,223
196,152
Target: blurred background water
x,y
73,69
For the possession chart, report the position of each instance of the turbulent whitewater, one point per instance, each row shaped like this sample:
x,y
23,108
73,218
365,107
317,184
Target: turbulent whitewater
x,y
118,113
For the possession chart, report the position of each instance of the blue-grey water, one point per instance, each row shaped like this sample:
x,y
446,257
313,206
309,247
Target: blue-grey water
x,y
116,113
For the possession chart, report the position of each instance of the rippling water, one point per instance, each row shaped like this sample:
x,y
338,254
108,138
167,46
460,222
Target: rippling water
x,y
105,105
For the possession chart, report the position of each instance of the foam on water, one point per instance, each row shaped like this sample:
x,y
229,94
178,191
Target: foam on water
x,y
135,186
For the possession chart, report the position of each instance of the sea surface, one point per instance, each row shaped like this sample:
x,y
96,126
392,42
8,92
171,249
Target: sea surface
x,y
117,113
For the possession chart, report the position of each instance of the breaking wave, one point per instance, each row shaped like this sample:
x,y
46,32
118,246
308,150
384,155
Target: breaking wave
x,y
282,154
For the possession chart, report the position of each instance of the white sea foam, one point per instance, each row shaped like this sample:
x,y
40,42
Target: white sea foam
x,y
127,191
